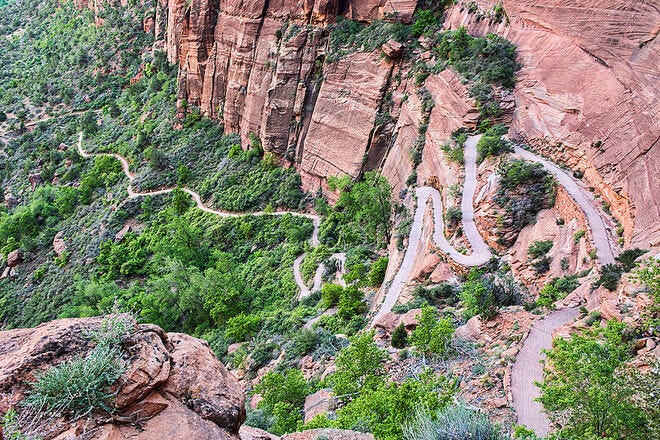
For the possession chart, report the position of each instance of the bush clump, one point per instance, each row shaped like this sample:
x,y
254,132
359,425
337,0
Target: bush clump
x,y
455,422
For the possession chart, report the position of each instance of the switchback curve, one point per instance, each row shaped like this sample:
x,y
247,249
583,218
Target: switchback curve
x,y
316,220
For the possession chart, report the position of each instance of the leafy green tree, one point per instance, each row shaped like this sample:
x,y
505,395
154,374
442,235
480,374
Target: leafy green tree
x,y
351,303
377,272
432,334
330,294
584,391
365,207
359,366
284,397
241,327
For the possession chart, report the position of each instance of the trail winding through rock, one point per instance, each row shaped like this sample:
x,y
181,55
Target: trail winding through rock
x,y
527,368
599,234
480,251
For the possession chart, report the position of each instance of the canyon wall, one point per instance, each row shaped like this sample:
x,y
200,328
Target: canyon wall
x,y
587,94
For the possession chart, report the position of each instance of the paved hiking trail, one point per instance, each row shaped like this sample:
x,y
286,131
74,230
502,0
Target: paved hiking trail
x,y
599,232
480,251
528,369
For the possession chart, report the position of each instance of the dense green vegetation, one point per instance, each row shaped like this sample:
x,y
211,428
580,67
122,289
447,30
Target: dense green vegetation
x,y
60,61
591,393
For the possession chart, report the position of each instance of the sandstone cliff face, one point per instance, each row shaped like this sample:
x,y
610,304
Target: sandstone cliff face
x,y
588,95
173,385
259,67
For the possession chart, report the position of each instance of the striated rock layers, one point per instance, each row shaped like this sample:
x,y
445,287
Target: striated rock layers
x,y
173,386
587,94
259,66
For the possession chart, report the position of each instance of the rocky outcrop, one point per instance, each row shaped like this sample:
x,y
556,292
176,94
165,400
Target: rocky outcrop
x,y
173,386
260,68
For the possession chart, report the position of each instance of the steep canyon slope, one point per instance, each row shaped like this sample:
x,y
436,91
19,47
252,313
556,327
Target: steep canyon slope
x,y
587,94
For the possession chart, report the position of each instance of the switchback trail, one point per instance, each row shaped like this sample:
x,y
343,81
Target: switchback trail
x,y
480,252
316,220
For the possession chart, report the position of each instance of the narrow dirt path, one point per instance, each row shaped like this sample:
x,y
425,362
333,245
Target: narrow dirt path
x,y
316,220
528,369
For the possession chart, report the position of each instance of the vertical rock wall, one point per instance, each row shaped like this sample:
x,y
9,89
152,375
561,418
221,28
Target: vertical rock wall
x,y
587,94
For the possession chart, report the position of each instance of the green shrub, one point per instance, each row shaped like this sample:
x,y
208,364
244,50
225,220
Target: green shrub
x,y
453,215
490,145
455,422
610,274
424,20
78,386
242,327
377,272
432,334
483,294
627,258
578,235
399,337
542,265
539,248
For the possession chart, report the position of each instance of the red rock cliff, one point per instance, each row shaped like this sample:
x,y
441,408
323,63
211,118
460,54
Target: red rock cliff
x,y
587,95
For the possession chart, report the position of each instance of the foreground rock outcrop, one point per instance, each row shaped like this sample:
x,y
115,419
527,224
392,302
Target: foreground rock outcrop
x,y
173,385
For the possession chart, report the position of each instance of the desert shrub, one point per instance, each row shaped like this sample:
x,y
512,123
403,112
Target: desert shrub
x,y
455,422
627,258
433,334
525,189
439,294
399,337
78,386
578,235
424,20
542,265
557,289
491,143
483,294
491,59
453,215
610,274
539,248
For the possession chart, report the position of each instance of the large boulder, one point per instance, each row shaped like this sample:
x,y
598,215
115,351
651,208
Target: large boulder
x,y
173,386
14,258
